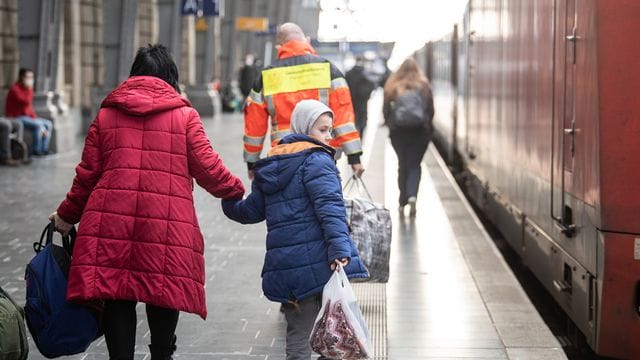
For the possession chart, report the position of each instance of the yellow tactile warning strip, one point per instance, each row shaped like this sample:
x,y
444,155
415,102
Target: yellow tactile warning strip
x,y
372,299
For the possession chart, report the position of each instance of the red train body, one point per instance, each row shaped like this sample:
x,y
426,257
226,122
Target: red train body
x,y
538,103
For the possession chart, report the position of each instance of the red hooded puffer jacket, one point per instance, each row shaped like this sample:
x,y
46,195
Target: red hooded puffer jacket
x,y
139,237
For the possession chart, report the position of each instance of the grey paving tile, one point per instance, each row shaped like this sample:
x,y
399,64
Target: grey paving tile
x,y
403,342
526,335
102,356
501,315
219,356
469,353
450,353
535,354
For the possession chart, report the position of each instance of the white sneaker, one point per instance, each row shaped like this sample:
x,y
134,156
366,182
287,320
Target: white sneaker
x,y
412,206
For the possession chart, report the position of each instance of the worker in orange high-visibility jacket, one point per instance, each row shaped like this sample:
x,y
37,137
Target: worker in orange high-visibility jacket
x,y
298,74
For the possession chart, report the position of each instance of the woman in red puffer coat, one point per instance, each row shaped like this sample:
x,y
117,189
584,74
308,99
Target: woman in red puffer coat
x,y
138,238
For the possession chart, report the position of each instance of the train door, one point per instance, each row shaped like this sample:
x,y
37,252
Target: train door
x,y
564,118
474,54
574,160
462,87
574,168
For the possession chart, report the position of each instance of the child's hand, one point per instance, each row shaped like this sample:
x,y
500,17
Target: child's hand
x,y
344,262
358,169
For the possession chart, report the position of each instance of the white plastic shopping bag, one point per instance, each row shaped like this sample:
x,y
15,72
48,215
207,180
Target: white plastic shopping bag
x,y
340,331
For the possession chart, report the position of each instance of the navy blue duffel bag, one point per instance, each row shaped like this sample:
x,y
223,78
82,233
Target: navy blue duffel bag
x,y
58,327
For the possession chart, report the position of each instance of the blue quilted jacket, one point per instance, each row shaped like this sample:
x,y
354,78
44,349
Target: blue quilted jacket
x,y
297,190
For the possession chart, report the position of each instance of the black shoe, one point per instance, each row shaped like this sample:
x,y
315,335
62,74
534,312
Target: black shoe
x,y
163,352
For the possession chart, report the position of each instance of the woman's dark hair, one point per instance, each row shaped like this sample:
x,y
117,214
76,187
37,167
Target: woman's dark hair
x,y
155,60
23,72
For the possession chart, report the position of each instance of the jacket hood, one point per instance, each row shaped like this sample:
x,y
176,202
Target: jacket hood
x,y
144,95
274,172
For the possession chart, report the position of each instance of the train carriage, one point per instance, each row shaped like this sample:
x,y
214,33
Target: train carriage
x,y
537,104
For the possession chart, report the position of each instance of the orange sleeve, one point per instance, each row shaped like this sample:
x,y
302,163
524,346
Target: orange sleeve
x,y
256,124
346,134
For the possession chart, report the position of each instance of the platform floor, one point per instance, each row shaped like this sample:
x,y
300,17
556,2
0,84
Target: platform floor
x,y
450,294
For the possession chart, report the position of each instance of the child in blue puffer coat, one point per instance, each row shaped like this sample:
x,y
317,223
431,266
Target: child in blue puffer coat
x,y
297,190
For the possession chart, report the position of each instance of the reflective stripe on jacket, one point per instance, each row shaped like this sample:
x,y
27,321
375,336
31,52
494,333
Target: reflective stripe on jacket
x,y
297,74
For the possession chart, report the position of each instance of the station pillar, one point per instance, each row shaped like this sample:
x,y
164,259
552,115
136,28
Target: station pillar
x,y
39,25
119,19
229,40
119,29
202,96
170,29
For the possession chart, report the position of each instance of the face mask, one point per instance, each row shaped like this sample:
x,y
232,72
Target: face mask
x,y
28,83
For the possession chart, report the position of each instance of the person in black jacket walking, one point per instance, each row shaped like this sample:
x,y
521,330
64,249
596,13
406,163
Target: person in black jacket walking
x,y
361,88
248,74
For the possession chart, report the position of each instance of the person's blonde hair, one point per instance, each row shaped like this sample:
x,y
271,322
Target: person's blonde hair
x,y
407,77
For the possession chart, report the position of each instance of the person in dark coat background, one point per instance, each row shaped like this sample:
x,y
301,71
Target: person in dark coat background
x,y
361,88
297,190
248,74
139,238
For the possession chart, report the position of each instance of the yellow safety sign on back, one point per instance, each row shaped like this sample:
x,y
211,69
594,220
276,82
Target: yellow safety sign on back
x,y
296,77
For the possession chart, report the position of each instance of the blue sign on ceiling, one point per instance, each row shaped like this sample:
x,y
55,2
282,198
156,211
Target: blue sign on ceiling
x,y
200,7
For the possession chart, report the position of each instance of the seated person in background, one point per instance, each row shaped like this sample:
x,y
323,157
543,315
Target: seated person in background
x,y
20,106
6,128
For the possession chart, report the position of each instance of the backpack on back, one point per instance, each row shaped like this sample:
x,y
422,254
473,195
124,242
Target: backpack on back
x,y
58,327
13,335
408,110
